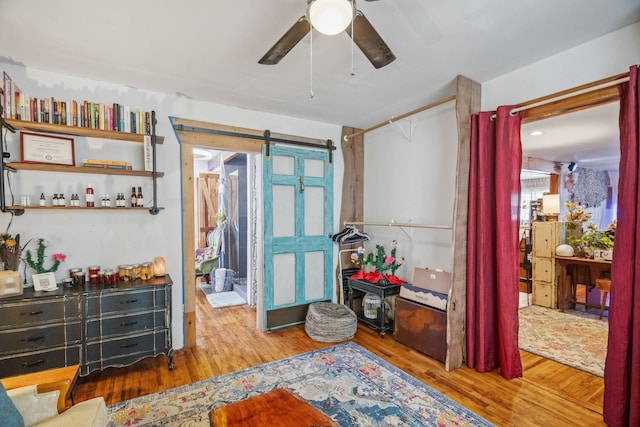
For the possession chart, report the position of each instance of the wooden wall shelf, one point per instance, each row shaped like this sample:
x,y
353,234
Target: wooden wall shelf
x,y
78,131
78,169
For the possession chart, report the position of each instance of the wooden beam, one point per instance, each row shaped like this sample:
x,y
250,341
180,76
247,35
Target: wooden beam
x,y
352,203
467,103
575,103
189,244
541,165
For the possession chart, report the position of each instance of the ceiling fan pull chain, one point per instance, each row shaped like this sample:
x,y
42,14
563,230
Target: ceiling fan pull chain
x,y
353,24
310,61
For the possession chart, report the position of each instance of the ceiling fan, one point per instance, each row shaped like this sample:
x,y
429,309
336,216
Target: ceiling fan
x,y
318,12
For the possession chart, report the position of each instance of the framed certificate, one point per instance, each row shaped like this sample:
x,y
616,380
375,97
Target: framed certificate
x,y
44,282
38,148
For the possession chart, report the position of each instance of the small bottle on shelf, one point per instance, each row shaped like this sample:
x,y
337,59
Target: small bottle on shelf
x,y
107,201
43,201
139,198
61,200
89,196
134,197
54,200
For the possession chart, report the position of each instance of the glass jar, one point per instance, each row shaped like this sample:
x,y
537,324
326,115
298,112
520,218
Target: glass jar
x,y
103,277
110,277
73,271
94,274
124,273
145,271
79,278
135,271
67,282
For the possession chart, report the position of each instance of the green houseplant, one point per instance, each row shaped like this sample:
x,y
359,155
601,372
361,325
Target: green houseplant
x,y
592,239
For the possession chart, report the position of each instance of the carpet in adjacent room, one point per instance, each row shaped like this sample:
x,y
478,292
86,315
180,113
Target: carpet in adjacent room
x,y
573,337
347,382
222,299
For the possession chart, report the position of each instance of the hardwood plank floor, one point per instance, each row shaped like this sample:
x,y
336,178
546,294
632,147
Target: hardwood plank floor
x,y
548,394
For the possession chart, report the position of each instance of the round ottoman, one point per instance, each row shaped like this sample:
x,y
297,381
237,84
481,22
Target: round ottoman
x,y
328,322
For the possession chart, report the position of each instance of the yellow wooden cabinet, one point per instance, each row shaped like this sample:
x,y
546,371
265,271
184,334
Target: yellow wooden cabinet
x,y
546,236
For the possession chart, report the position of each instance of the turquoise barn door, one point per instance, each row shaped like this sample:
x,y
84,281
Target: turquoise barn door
x,y
298,219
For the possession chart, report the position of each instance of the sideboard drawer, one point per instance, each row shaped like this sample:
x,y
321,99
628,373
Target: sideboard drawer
x,y
147,344
126,302
29,339
118,326
50,310
38,361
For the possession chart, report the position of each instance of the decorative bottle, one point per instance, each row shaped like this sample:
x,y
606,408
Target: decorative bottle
x,y
89,196
139,198
43,201
134,197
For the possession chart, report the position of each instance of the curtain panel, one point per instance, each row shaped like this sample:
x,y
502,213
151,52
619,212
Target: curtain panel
x,y
493,251
622,367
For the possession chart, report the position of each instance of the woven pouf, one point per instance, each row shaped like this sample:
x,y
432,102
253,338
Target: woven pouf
x,y
328,322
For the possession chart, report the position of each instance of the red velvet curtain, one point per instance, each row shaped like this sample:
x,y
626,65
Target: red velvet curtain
x,y
493,251
622,368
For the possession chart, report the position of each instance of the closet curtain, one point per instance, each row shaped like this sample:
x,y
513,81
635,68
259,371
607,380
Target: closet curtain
x,y
622,367
493,243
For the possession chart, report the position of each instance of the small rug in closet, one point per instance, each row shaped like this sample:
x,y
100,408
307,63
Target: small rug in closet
x,y
222,299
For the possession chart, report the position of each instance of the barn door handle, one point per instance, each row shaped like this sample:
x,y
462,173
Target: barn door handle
x,y
301,180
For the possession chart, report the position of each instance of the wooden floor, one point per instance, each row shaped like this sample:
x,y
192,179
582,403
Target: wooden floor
x,y
549,394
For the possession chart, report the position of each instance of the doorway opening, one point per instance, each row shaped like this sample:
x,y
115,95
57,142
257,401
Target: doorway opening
x,y
224,193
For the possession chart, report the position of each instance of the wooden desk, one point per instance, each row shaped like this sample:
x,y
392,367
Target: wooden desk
x,y
278,407
566,295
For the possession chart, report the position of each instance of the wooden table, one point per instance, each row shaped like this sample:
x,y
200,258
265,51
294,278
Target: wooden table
x,y
61,379
278,407
566,293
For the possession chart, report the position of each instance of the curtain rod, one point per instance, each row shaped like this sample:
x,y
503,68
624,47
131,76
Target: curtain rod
x,y
399,224
400,117
567,95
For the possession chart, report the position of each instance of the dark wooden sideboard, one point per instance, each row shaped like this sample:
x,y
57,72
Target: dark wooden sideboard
x,y
94,326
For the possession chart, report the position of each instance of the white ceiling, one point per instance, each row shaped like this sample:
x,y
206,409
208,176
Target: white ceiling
x,y
591,138
208,49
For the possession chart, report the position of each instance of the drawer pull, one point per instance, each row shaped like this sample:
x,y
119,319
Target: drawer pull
x,y
128,301
31,313
129,323
129,345
33,339
30,365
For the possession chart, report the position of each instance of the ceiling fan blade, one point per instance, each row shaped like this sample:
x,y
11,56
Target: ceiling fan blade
x,y
286,42
370,42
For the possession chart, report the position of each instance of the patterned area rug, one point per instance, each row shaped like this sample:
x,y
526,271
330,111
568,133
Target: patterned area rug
x,y
573,338
348,383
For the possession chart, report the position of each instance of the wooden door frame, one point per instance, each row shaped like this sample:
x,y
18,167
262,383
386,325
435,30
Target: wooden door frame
x,y
230,140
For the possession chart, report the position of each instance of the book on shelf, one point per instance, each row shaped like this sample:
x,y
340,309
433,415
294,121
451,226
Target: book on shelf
x,y
107,164
148,154
18,105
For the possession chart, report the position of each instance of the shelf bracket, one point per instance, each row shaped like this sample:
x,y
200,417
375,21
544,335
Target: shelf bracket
x,y
154,210
3,124
409,136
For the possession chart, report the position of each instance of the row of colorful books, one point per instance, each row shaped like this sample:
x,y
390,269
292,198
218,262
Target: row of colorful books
x,y
94,115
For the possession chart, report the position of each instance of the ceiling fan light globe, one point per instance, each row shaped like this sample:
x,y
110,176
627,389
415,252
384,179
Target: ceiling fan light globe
x,y
330,17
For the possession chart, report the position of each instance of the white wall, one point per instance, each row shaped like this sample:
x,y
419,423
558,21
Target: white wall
x,y
413,180
603,57
113,238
